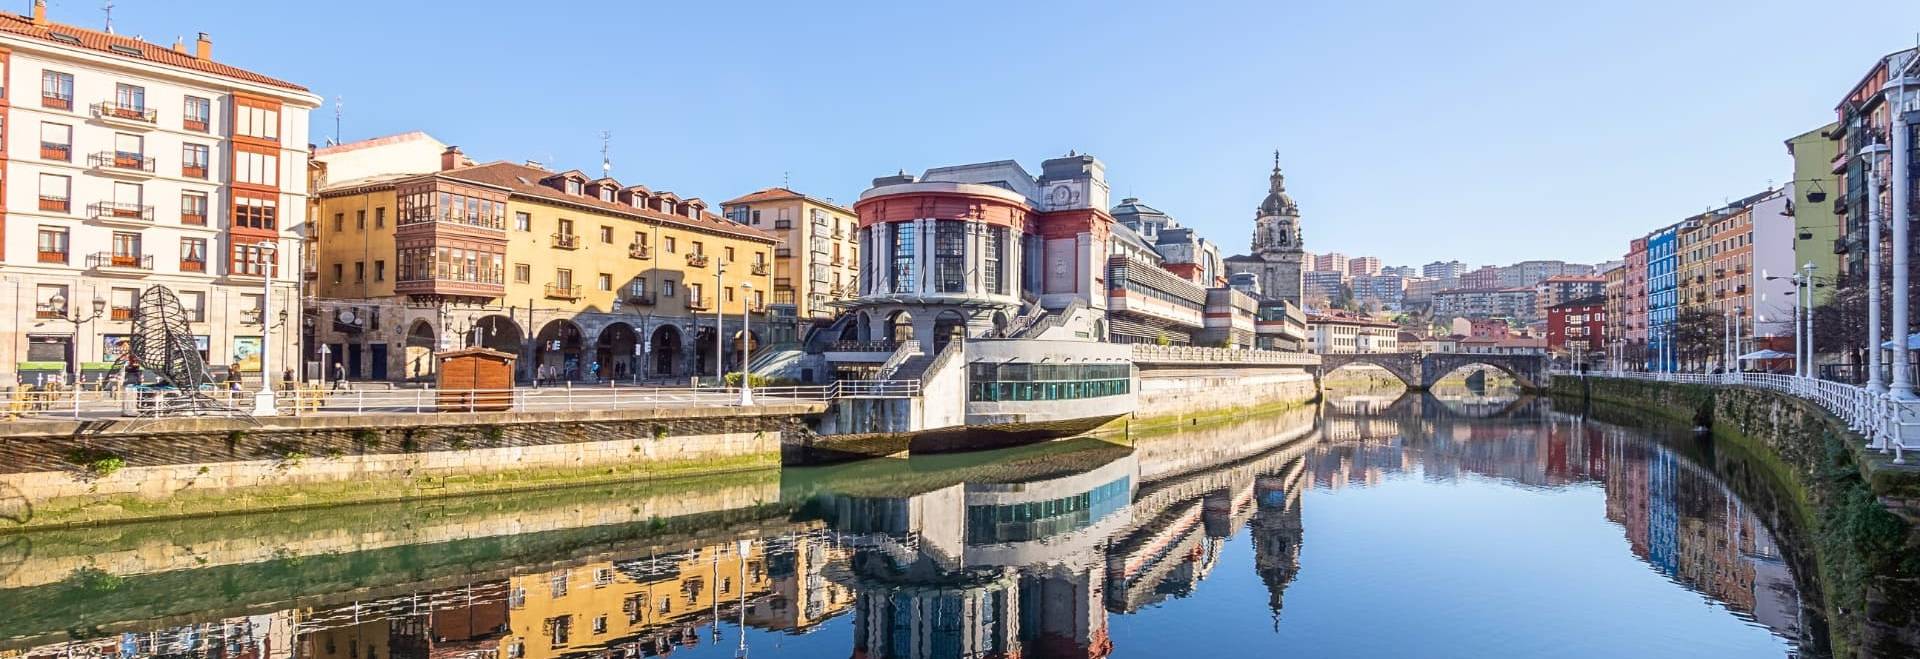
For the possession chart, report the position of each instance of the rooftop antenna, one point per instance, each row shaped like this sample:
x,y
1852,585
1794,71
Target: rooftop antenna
x,y
606,162
786,180
107,7
338,106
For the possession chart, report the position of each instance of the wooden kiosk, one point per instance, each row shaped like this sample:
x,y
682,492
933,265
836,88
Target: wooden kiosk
x,y
475,380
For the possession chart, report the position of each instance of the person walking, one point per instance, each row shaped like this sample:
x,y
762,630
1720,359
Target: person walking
x,y
339,376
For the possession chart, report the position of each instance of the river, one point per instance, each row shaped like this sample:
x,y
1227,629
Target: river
x,y
1461,525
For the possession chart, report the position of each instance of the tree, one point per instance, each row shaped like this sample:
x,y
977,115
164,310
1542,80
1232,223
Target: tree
x,y
1699,336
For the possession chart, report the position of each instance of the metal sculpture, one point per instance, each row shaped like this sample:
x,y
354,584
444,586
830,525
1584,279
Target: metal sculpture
x,y
163,347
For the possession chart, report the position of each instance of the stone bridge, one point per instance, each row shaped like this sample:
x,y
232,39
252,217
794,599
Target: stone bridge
x,y
1421,371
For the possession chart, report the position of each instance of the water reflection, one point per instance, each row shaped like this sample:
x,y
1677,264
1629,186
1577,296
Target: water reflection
x,y
1043,551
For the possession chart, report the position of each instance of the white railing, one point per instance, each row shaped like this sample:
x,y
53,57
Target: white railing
x,y
1874,415
1159,354
311,401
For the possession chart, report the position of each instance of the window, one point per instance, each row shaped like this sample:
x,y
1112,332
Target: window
x,y
53,245
994,248
56,90
756,217
558,584
606,282
666,287
379,270
573,187
603,577
606,194
193,160
669,243
360,220
56,142
195,304
729,254
380,217
51,301
359,272
125,245
249,259
339,222
255,213
606,235
558,628
694,290
522,221
197,114
130,97
251,121
256,168
699,249
522,273
127,146
55,192
338,273
637,287
903,257
563,278
193,254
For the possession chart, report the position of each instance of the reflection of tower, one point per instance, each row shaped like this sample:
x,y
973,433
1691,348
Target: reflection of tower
x,y
1277,533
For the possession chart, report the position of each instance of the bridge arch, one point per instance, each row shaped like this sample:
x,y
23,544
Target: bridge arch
x,y
1421,371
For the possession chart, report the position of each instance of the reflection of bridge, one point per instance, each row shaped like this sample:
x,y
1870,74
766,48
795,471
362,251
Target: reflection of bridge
x,y
1421,371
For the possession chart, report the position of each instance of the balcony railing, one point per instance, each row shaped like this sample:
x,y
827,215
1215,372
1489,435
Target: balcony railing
x,y
640,300
132,113
126,261
106,210
639,251
698,303
121,161
193,219
53,257
187,265
56,151
697,260
194,124
563,292
56,204
782,252
193,171
120,314
566,241
758,269
783,224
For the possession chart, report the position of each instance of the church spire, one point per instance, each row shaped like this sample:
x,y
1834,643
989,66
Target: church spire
x,y
1277,182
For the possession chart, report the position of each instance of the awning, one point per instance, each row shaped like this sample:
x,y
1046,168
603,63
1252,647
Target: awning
x,y
1766,354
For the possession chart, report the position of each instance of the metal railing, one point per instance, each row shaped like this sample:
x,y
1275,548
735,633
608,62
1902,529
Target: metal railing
x,y
1875,415
1159,354
317,399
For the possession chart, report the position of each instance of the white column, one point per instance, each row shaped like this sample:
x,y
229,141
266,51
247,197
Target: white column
x,y
1902,385
1874,382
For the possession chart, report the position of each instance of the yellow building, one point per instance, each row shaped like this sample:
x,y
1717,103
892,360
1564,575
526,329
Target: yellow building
x,y
817,261
585,278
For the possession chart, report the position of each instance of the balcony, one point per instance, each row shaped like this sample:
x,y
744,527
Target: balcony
x,y
783,224
194,124
839,234
56,102
566,241
125,115
839,261
194,171
121,164
120,314
109,263
758,269
639,300
639,252
697,260
55,151
193,219
55,204
188,265
699,303
135,215
563,292
782,252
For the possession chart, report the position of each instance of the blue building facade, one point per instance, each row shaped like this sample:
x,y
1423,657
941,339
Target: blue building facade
x,y
1663,297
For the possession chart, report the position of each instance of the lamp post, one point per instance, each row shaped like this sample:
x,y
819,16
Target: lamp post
x,y
1807,299
68,314
1901,387
746,343
1874,382
263,400
719,326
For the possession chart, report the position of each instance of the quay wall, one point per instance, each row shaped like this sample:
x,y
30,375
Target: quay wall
x,y
1169,396
1858,509
63,473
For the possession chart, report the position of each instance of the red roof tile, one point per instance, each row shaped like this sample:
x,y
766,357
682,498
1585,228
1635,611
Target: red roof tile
x,y
523,180
102,42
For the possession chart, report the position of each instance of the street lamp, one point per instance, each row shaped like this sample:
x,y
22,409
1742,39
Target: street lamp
x,y
1807,299
263,400
69,315
746,343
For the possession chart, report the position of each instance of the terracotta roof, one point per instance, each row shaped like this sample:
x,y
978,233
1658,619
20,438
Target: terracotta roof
x,y
522,180
19,25
781,194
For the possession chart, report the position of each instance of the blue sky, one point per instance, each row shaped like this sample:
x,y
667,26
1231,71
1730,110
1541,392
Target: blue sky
x,y
1488,131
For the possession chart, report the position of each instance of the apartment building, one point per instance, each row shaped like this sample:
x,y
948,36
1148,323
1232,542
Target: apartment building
x,y
584,278
155,166
1341,333
817,261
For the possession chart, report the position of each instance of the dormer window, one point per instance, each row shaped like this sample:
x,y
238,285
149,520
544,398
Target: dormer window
x,y
606,194
573,186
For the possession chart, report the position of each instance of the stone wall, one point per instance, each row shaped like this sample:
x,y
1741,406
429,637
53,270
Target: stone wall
x,y
199,466
1174,395
1860,507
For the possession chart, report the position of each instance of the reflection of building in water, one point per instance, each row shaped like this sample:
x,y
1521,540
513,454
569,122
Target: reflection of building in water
x,y
1675,516
1277,532
265,636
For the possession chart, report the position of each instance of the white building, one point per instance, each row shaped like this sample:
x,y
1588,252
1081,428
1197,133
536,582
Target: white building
x,y
1773,241
1345,334
140,165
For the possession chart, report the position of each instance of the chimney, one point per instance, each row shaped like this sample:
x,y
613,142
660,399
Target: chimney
x,y
39,12
179,46
451,158
203,47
